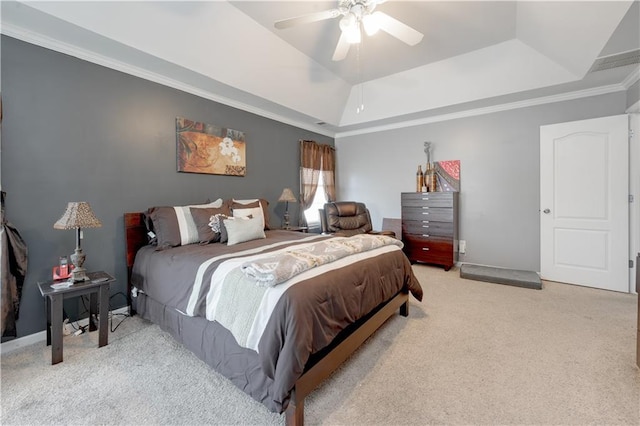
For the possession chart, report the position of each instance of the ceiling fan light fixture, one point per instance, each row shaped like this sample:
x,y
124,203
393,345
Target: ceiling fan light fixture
x,y
347,21
356,16
370,23
351,28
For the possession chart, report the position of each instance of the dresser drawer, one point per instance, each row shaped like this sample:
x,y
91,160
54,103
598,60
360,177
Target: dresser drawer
x,y
430,199
426,228
427,213
431,250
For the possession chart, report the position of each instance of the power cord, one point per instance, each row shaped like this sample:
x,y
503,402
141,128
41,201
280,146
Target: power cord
x,y
80,329
112,314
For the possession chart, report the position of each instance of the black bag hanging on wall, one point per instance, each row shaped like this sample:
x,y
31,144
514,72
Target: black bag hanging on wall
x,y
13,268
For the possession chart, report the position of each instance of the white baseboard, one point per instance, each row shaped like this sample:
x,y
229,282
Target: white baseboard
x,y
41,336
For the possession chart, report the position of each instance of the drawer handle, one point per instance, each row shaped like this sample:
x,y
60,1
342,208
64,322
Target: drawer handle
x,y
425,199
425,226
425,212
425,248
425,235
425,207
425,221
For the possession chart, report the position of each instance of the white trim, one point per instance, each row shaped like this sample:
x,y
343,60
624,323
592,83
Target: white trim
x,y
634,190
602,90
62,47
21,342
631,78
41,336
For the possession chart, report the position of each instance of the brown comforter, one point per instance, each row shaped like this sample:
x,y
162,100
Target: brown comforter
x,y
306,318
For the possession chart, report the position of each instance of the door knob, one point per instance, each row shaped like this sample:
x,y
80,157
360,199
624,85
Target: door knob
x,y
546,211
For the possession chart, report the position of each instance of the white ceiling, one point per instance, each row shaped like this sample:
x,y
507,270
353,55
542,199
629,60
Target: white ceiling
x,y
474,54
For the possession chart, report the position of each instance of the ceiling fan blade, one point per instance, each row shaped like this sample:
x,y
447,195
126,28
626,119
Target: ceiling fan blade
x,y
342,48
397,29
305,19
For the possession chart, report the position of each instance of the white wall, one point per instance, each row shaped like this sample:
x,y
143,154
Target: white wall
x,y
500,173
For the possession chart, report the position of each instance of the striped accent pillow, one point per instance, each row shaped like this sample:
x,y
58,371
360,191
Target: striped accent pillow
x,y
174,226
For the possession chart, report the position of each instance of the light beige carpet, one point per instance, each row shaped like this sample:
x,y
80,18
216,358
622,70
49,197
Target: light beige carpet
x,y
471,353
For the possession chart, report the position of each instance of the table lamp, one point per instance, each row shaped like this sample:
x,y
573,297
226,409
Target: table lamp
x,y
78,215
286,197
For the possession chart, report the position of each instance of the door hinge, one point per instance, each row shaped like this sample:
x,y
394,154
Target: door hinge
x,y
630,264
631,198
631,134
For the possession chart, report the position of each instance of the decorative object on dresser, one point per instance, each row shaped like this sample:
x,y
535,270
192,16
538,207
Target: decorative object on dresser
x,y
430,227
78,215
420,183
447,175
286,197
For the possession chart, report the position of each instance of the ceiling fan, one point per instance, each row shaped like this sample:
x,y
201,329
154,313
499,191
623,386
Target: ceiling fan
x,y
357,14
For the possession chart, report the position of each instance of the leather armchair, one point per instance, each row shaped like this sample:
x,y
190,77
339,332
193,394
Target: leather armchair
x,y
348,218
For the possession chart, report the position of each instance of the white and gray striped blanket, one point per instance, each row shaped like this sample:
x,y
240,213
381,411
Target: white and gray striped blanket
x,y
236,300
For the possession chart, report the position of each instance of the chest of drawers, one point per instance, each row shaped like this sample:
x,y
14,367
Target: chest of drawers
x,y
430,227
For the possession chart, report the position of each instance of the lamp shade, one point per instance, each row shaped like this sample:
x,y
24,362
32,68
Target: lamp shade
x,y
78,215
287,195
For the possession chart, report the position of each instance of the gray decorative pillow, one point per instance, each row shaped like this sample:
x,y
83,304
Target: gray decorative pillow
x,y
202,218
244,229
174,225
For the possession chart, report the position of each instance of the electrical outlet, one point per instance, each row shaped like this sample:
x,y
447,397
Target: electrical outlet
x,y
462,247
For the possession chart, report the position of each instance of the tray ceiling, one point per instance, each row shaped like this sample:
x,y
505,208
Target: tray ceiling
x,y
474,54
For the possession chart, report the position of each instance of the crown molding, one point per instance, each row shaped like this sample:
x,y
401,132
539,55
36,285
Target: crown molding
x,y
489,110
93,57
631,78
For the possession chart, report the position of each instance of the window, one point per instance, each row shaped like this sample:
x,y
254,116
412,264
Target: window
x,y
311,214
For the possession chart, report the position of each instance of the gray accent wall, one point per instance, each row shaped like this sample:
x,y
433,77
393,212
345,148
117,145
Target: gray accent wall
x,y
76,131
499,157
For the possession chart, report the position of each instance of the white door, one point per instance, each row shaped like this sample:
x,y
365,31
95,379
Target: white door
x,y
584,210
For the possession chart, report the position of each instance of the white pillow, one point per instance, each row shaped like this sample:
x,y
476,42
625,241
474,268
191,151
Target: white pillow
x,y
253,200
254,212
239,231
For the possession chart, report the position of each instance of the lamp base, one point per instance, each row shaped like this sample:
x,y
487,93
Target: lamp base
x,y
79,275
77,259
286,220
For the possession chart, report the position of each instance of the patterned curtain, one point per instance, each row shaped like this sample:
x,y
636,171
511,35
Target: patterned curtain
x,y
310,160
329,171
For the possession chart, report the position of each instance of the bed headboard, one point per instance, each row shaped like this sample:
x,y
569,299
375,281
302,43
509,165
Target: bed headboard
x,y
135,235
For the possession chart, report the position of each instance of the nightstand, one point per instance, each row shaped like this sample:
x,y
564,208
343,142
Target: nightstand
x,y
55,292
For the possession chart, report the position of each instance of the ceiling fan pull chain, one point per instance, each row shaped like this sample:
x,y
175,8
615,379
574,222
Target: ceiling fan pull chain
x,y
360,106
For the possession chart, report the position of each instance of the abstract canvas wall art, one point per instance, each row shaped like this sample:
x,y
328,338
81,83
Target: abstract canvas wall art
x,y
448,175
205,148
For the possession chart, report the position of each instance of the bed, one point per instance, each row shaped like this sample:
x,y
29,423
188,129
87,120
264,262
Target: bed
x,y
274,340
